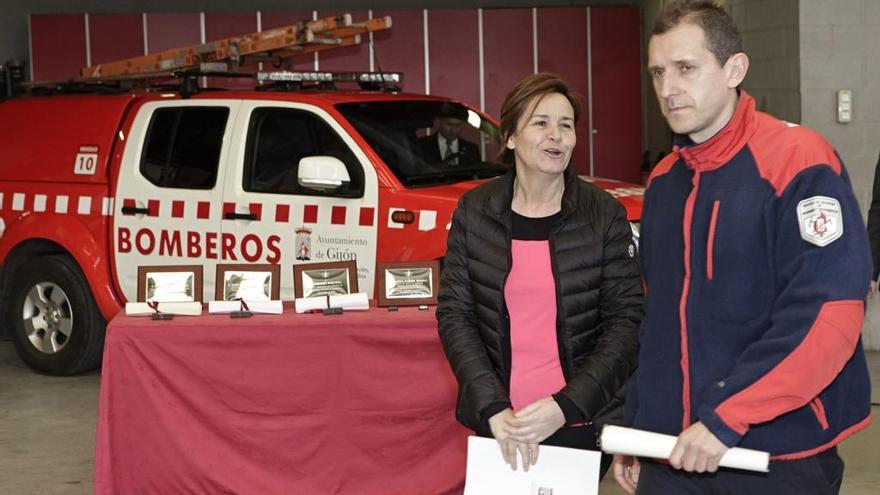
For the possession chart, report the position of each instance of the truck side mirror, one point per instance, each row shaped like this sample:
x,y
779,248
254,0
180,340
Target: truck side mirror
x,y
323,173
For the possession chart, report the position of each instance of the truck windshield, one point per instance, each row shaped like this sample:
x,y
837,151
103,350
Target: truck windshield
x,y
427,143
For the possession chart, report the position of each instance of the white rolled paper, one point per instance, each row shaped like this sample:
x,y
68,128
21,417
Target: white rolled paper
x,y
640,443
174,308
306,304
256,307
349,302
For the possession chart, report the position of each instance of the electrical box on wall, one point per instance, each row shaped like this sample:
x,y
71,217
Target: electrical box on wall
x,y
844,106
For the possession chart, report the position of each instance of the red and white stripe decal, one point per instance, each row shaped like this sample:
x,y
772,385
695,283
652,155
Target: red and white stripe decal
x,y
84,205
282,213
278,213
177,208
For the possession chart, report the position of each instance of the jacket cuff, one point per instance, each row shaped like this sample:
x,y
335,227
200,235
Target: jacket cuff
x,y
493,409
719,428
573,414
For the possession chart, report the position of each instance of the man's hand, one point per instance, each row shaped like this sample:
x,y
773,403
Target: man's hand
x,y
626,472
500,424
872,289
697,450
537,421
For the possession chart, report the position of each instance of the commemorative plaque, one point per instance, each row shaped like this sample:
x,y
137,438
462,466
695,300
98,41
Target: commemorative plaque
x,y
168,283
325,279
259,282
407,283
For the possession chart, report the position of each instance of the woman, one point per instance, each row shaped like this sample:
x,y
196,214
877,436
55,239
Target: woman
x,y
540,295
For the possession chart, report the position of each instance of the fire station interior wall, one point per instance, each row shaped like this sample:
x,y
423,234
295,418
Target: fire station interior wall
x,y
473,55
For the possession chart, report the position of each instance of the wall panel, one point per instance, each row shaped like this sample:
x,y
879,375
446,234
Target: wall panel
x,y
562,48
58,45
402,48
453,46
617,92
166,31
507,53
115,36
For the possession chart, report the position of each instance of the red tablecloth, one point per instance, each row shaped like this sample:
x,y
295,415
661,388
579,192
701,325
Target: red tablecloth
x,y
293,404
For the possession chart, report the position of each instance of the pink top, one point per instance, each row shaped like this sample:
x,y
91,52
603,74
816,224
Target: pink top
x,y
530,294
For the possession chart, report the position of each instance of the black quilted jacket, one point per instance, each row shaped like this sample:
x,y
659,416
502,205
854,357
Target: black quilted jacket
x,y
598,299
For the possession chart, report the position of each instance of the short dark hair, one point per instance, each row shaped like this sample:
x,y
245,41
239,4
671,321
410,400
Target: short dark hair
x,y
722,36
524,97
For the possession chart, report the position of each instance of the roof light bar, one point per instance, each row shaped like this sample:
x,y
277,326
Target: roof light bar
x,y
291,76
373,79
380,77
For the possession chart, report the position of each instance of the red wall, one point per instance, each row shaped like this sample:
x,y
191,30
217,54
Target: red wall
x,y
617,103
562,48
567,43
58,46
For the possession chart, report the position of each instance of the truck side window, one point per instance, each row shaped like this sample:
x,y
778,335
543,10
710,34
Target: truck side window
x,y
278,138
182,148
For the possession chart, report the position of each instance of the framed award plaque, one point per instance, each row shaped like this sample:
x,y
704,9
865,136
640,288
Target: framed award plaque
x,y
407,283
169,283
260,282
325,279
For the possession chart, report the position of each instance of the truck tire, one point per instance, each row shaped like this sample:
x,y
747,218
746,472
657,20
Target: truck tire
x,y
55,324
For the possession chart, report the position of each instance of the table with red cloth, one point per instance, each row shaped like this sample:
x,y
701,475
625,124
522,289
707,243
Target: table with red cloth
x,y
290,404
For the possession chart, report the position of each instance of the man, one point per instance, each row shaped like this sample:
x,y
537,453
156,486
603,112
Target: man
x,y
754,311
874,230
446,146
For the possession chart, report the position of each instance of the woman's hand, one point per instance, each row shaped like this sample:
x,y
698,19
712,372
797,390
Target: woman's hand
x,y
626,472
500,425
535,422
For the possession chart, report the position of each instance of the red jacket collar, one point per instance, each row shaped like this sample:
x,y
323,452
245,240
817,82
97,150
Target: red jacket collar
x,y
728,142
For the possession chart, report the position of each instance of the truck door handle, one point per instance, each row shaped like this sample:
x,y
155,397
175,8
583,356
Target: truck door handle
x,y
134,210
231,215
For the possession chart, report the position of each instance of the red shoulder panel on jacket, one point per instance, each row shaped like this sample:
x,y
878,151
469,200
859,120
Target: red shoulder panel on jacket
x,y
663,167
782,150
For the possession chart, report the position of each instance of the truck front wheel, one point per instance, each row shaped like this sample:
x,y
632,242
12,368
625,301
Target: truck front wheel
x,y
56,326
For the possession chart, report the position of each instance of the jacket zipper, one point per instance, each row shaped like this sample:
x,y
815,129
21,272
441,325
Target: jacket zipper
x,y
504,314
710,243
682,306
560,341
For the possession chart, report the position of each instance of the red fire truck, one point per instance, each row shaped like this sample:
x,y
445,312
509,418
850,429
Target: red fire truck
x,y
99,179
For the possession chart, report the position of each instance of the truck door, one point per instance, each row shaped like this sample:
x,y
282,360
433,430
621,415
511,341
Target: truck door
x,y
275,219
167,204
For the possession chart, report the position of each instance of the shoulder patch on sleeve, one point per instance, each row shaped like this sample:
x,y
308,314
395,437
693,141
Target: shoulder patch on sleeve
x,y
820,220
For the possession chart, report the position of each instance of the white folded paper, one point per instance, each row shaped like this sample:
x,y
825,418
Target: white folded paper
x,y
629,441
350,302
559,471
175,308
256,307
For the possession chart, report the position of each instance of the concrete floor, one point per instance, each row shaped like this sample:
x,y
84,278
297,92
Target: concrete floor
x,y
47,434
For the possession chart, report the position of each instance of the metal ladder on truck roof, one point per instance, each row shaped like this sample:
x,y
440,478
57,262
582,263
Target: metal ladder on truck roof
x,y
229,54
